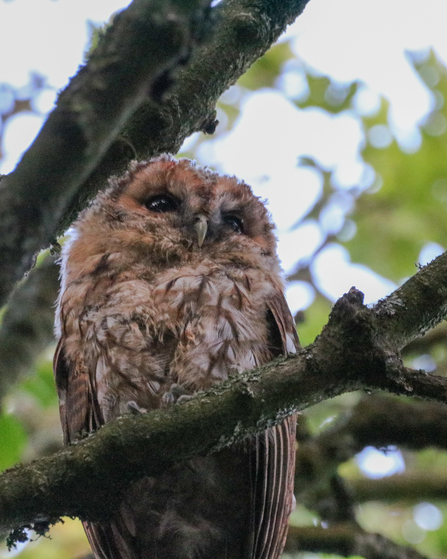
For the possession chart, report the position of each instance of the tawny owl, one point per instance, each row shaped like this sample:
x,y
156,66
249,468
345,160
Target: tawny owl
x,y
171,283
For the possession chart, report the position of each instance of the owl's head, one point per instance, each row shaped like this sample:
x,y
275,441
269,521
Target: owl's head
x,y
168,209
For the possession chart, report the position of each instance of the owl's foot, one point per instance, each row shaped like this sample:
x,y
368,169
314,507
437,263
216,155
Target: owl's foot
x,y
176,395
135,409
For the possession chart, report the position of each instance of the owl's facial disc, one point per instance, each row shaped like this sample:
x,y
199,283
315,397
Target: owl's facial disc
x,y
201,227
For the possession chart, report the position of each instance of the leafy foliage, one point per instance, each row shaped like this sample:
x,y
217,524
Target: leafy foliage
x,y
408,210
12,440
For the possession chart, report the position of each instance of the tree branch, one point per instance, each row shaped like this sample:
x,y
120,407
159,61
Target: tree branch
x,y
146,40
346,540
410,487
377,421
423,345
243,30
86,480
424,297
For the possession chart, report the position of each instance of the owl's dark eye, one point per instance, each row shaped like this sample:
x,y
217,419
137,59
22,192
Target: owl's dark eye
x,y
162,203
234,222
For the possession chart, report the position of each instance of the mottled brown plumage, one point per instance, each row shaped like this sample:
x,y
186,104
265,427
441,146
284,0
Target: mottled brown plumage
x,y
171,278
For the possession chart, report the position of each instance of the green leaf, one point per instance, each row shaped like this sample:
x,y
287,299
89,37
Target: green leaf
x,y
316,317
265,70
41,385
409,209
13,439
328,95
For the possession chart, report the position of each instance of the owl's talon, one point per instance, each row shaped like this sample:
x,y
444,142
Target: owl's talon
x,y
176,395
135,409
184,398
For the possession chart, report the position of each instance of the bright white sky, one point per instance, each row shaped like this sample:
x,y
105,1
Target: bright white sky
x,y
349,40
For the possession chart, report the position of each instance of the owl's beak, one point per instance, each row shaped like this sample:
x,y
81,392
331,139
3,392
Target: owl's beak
x,y
201,227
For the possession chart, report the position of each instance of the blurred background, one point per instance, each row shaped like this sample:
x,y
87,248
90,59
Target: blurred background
x,y
341,126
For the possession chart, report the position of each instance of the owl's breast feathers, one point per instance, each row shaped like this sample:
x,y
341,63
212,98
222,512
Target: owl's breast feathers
x,y
193,325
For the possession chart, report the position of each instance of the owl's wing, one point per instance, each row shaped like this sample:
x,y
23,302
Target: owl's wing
x,y
78,405
273,460
282,330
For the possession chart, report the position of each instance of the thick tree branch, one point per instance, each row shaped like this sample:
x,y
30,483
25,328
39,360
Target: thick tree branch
x,y
146,40
377,421
381,421
410,487
243,30
86,480
424,297
346,540
423,345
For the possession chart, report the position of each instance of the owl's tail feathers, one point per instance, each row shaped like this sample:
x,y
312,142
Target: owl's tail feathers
x,y
273,489
108,540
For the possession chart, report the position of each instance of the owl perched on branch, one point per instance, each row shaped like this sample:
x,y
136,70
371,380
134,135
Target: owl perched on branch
x,y
171,283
